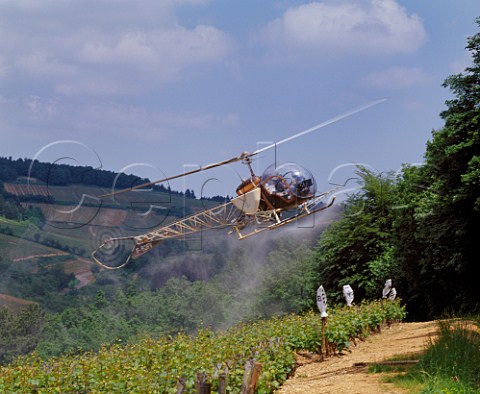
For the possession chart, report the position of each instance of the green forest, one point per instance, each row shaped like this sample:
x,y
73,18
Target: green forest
x,y
418,227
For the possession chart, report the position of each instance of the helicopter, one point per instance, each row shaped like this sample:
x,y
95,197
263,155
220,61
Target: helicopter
x,y
283,193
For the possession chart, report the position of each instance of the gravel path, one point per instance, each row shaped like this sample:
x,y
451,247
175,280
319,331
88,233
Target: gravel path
x,y
338,374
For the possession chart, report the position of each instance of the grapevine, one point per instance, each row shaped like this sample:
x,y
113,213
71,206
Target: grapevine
x,y
155,366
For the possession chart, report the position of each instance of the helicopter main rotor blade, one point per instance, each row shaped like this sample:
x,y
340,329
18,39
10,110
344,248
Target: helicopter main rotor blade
x,y
200,169
321,125
246,155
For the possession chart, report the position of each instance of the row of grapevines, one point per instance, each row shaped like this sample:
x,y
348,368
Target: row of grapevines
x,y
154,366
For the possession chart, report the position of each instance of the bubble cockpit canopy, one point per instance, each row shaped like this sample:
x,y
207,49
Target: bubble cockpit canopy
x,y
289,180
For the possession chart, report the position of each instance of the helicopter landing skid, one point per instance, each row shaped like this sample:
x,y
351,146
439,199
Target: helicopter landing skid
x,y
279,223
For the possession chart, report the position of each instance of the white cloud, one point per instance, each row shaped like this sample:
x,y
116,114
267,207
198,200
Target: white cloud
x,y
168,48
41,65
367,27
37,105
120,47
397,78
138,60
30,5
99,118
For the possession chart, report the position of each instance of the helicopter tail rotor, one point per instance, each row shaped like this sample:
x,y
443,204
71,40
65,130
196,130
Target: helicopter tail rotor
x,y
106,246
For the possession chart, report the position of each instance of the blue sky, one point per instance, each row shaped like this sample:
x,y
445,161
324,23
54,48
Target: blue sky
x,y
155,87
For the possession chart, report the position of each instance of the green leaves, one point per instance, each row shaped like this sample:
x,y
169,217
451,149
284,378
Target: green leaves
x,y
356,249
18,331
156,365
435,239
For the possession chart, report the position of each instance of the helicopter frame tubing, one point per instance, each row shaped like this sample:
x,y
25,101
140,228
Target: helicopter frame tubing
x,y
224,215
217,217
262,218
258,205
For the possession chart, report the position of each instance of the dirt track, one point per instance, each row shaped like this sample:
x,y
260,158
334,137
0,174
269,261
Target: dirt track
x,y
338,375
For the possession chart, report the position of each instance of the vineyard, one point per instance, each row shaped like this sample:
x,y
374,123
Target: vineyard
x,y
156,366
26,189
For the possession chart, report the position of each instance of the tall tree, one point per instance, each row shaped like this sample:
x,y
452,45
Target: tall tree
x,y
19,331
356,249
438,233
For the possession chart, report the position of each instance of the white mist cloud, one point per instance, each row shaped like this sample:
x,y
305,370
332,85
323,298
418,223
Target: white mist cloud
x,y
397,78
376,27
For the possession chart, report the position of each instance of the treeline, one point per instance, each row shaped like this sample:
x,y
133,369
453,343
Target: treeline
x,y
64,174
420,227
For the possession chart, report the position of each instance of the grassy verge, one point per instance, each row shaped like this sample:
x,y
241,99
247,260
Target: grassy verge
x,y
450,364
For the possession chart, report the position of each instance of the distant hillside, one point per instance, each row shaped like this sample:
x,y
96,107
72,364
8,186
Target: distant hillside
x,y
41,175
54,216
64,204
63,174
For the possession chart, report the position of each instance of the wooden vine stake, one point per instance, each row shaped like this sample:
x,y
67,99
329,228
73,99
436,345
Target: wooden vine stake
x,y
250,377
181,385
257,369
222,383
324,341
201,385
205,388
